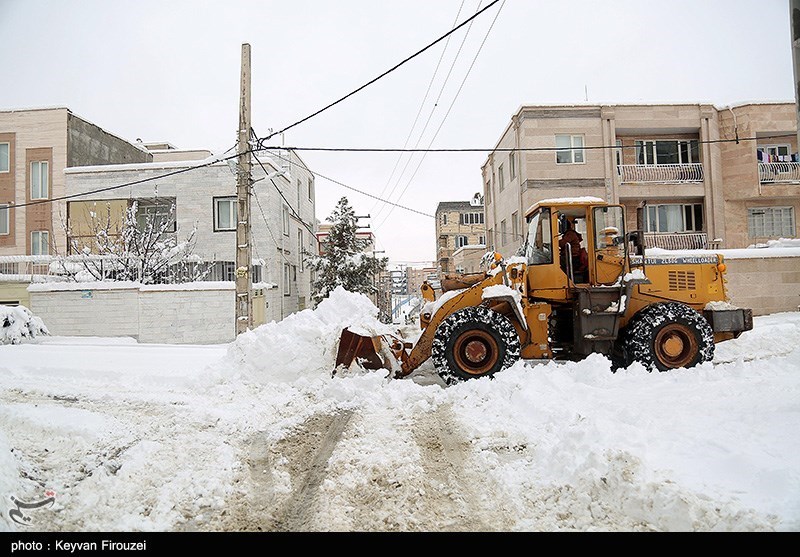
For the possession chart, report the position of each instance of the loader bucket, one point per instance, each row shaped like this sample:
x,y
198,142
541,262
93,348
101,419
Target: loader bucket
x,y
378,352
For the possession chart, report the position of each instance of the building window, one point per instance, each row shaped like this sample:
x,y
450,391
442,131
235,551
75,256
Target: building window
x,y
500,178
444,219
461,241
512,165
310,189
224,213
488,192
257,272
771,222
675,217
514,228
155,214
40,180
5,218
482,240
299,190
5,163
774,153
40,242
503,233
470,218
669,151
285,214
287,289
570,149
300,249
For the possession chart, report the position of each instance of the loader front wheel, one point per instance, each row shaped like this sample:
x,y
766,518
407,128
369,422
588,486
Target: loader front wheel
x,y
474,342
668,336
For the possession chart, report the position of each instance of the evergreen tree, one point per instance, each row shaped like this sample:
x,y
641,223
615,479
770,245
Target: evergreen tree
x,y
344,262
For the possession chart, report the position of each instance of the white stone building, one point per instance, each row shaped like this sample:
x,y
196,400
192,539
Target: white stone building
x,y
282,214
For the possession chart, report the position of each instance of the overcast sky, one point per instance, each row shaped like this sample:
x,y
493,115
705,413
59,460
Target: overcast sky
x,y
169,71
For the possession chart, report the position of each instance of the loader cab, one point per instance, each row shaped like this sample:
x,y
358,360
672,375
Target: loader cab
x,y
571,244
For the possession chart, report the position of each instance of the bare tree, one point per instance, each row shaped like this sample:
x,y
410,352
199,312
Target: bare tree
x,y
141,245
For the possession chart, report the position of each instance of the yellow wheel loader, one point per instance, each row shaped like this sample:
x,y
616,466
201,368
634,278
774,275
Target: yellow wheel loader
x,y
578,285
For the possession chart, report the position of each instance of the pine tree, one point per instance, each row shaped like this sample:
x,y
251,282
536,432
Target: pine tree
x,y
344,262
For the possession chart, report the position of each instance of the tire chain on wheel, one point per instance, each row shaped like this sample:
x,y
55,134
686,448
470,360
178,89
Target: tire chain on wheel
x,y
640,333
478,314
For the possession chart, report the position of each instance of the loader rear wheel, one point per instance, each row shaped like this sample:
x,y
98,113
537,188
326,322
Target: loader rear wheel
x,y
668,336
474,342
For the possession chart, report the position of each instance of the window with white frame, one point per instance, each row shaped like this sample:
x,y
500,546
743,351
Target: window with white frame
x,y
310,189
287,273
40,242
461,241
501,180
5,220
5,162
774,153
570,149
40,180
512,165
299,190
470,218
285,217
674,217
300,249
503,233
482,240
224,214
771,222
488,192
667,151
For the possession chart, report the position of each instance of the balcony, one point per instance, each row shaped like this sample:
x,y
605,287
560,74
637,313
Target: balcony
x,y
660,173
779,172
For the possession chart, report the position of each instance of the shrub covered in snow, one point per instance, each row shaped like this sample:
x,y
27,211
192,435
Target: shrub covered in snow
x,y
18,323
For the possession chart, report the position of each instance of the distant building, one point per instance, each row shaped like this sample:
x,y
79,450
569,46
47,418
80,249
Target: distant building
x,y
467,259
36,146
458,224
415,276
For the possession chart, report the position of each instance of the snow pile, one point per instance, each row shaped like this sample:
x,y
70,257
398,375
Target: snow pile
x,y
305,343
18,323
774,335
500,291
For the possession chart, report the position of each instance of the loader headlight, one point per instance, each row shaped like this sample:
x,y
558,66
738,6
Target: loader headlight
x,y
721,267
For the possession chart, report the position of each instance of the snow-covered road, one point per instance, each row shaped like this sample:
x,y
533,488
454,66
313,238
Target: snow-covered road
x,y
171,438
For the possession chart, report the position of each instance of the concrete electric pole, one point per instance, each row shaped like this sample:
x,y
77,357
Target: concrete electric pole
x,y
244,248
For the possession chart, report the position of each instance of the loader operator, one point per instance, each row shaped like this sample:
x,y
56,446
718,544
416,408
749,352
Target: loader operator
x,y
580,259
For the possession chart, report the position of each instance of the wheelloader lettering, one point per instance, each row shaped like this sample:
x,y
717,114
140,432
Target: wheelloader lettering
x,y
549,302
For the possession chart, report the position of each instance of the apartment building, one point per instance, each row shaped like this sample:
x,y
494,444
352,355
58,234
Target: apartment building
x,y
36,146
204,199
415,276
458,224
680,163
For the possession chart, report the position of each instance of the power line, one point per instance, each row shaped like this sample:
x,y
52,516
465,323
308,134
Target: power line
x,y
125,185
354,189
433,110
422,104
384,74
508,149
452,103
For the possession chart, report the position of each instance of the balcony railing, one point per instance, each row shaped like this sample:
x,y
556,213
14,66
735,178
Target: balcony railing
x,y
677,240
779,172
660,173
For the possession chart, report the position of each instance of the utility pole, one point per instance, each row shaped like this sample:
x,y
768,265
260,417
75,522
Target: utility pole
x,y
244,249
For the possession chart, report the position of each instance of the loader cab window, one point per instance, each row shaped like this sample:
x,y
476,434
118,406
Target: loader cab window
x,y
609,228
539,245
